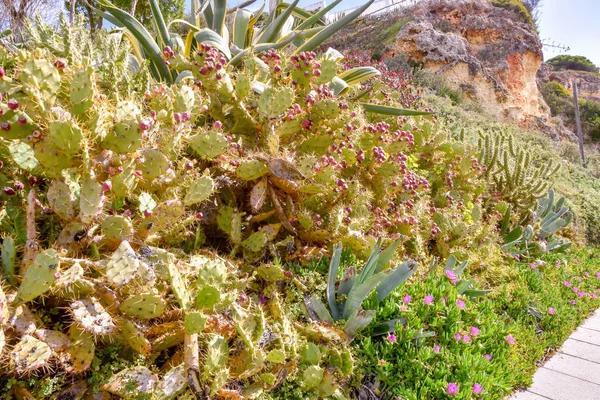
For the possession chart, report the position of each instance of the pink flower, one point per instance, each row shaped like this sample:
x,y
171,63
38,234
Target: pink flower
x,y
460,303
452,388
391,338
510,339
428,299
567,283
407,299
436,349
532,266
597,275
488,356
593,295
466,339
580,294
457,336
474,331
551,311
575,289
477,388
452,276
573,302
586,273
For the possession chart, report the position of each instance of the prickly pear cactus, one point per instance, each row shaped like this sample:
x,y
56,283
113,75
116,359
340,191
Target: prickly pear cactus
x,y
82,91
91,317
143,306
60,200
40,276
30,354
123,265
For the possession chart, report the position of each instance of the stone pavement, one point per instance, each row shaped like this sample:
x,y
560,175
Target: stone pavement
x,y
574,372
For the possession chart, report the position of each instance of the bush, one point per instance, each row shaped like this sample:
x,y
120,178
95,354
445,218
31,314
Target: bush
x,y
558,99
518,7
577,63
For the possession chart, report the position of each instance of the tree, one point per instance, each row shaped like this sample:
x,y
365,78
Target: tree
x,y
577,63
14,13
171,9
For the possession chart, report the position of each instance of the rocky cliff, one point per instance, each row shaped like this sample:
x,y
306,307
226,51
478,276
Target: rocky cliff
x,y
588,83
489,53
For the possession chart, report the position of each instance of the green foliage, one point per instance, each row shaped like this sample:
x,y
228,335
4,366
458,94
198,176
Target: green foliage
x,y
516,6
558,99
576,63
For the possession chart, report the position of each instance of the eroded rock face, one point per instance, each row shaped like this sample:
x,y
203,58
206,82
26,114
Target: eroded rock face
x,y
488,52
588,83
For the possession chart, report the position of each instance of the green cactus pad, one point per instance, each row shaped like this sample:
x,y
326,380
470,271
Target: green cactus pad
x,y
258,195
123,265
194,322
91,200
126,135
274,102
200,190
91,317
285,170
211,271
209,145
40,276
312,376
144,306
276,356
61,200
116,228
165,215
57,341
23,155
318,145
66,136
70,276
179,287
255,242
81,351
41,74
30,354
173,383
17,130
132,382
135,338
154,165
124,183
251,170
207,297
52,158
82,91
184,99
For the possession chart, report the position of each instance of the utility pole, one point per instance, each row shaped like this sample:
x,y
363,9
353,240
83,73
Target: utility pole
x,y
578,122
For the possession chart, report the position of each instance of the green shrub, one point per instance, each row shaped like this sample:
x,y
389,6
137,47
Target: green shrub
x,y
590,117
577,63
518,7
558,99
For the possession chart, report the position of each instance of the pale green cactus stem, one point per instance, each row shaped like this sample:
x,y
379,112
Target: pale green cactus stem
x,y
30,354
91,317
135,338
136,381
60,200
143,306
40,276
81,351
82,91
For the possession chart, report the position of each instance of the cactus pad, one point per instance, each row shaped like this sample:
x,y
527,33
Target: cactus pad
x,y
251,170
258,195
70,276
154,165
135,382
194,322
125,182
274,102
200,190
82,91
165,215
285,170
256,241
66,136
144,306
173,383
184,100
52,158
16,130
123,265
135,338
211,271
92,317
207,297
178,285
57,341
23,320
81,352
116,228
41,74
40,276
126,135
209,145
91,200
30,354
60,200
9,258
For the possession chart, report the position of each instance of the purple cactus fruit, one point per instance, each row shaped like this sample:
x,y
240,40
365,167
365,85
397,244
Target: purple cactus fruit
x,y
1,97
9,191
145,124
60,63
186,116
33,180
120,170
19,185
12,104
111,170
1,164
218,125
138,172
147,213
5,126
2,73
177,117
106,186
22,120
199,215
153,114
317,72
189,165
203,71
127,213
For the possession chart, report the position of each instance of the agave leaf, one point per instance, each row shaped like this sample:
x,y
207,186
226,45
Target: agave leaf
x,y
271,32
144,37
513,235
395,278
358,321
506,220
347,281
329,31
360,291
450,263
339,86
551,228
163,32
386,255
218,22
377,109
316,308
210,37
356,75
369,268
316,17
463,285
387,326
207,11
334,265
240,27
461,268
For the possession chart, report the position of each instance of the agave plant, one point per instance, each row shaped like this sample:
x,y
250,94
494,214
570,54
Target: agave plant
x,y
549,218
286,25
345,302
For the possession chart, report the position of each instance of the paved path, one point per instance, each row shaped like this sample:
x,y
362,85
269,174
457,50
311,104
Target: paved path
x,y
574,372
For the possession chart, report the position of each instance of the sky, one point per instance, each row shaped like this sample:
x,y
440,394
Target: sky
x,y
572,23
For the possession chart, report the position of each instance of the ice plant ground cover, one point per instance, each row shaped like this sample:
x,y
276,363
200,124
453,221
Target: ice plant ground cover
x,y
176,230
